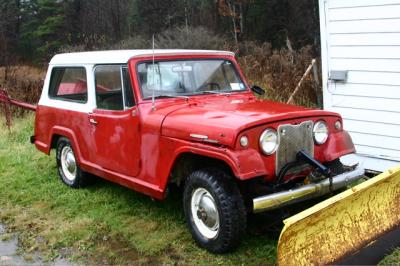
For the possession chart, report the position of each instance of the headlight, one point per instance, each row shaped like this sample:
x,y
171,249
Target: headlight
x,y
244,141
338,125
320,132
269,141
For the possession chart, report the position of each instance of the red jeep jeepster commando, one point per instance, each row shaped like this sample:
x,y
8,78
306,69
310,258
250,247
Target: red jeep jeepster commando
x,y
147,119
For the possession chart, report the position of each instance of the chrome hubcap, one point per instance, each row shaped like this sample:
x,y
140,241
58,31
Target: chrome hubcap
x,y
68,163
205,213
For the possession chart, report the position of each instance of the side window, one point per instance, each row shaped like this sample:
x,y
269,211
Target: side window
x,y
109,88
68,83
113,88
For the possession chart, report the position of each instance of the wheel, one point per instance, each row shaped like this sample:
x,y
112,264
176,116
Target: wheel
x,y
214,210
68,168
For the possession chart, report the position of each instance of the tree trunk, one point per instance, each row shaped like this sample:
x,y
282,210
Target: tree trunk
x,y
233,16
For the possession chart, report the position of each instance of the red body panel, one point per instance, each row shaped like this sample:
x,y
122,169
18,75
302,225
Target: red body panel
x,y
116,145
137,148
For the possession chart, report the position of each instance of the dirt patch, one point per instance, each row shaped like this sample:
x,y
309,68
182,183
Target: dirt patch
x,y
118,252
10,254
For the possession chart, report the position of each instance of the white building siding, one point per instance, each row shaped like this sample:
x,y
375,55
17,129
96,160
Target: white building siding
x,y
363,38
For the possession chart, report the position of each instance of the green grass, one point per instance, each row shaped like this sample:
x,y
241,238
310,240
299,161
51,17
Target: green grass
x,y
392,259
104,223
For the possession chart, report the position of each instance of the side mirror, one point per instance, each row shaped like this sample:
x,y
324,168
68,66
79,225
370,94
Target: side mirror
x,y
257,90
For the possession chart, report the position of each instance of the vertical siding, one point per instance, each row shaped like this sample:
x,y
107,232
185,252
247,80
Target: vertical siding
x,y
363,37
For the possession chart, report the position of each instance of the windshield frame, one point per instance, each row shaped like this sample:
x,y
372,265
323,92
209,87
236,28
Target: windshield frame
x,y
222,92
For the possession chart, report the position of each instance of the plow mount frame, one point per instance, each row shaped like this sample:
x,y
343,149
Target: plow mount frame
x,y
306,192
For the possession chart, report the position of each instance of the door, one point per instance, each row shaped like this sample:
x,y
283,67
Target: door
x,y
115,121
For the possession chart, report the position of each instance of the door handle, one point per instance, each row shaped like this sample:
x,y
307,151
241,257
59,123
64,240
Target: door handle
x,y
93,121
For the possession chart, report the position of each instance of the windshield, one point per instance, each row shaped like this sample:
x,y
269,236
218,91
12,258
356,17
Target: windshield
x,y
188,77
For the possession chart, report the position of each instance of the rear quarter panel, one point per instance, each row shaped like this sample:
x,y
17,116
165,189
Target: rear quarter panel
x,y
51,122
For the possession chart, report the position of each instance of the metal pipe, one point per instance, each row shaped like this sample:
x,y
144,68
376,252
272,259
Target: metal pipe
x,y
27,106
281,199
8,100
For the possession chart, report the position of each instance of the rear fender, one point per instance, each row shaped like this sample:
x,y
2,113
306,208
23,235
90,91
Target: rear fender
x,y
69,134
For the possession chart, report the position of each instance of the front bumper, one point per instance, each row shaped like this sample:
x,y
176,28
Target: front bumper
x,y
309,191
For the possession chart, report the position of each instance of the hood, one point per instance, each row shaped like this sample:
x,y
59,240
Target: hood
x,y
222,118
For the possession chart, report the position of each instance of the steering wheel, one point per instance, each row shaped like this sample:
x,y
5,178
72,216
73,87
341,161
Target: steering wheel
x,y
209,85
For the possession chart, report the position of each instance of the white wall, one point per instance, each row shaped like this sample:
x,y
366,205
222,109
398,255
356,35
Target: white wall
x,y
363,37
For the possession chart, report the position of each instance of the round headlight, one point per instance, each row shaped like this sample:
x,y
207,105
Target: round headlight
x,y
244,141
269,141
320,132
338,125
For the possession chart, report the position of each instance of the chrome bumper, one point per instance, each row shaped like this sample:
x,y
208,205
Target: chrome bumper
x,y
313,190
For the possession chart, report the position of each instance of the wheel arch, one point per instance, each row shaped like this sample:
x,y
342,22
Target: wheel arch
x,y
187,162
59,132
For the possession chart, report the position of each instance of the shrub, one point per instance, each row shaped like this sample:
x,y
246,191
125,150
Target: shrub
x,y
24,83
279,71
177,38
190,38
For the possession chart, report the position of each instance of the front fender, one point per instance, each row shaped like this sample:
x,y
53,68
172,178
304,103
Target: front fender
x,y
244,164
338,144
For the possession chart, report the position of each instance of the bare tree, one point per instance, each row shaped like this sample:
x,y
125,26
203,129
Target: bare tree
x,y
234,10
8,33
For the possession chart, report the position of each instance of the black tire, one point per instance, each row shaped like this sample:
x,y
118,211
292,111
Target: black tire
x,y
80,179
229,204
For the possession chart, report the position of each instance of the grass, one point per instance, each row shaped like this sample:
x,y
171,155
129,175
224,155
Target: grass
x,y
392,259
104,223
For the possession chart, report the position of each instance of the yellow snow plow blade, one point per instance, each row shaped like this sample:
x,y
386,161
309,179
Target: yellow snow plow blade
x,y
341,225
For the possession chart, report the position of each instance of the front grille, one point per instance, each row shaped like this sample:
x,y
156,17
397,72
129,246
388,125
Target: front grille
x,y
292,139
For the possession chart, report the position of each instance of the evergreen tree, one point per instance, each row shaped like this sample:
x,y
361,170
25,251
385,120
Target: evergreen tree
x,y
28,24
36,29
9,10
41,30
50,30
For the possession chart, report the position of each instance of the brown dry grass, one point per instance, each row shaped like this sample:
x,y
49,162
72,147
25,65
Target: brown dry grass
x,y
276,70
23,82
279,71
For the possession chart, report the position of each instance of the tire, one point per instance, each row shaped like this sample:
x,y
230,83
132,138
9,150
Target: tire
x,y
68,168
214,210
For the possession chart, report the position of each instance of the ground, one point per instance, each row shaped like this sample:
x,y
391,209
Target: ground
x,y
105,223
10,254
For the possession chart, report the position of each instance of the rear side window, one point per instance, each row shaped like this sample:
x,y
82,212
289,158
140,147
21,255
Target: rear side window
x,y
68,83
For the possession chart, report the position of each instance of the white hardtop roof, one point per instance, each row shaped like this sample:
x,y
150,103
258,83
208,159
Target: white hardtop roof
x,y
120,56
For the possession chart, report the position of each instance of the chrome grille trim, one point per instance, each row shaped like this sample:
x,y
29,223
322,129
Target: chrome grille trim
x,y
293,138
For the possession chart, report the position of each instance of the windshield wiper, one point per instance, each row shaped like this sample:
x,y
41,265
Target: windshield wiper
x,y
217,92
168,96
